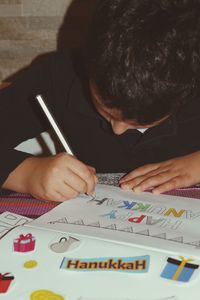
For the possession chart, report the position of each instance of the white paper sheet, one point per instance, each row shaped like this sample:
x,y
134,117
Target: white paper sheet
x,y
166,223
168,298
10,220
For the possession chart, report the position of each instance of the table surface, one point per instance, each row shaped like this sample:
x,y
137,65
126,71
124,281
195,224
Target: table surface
x,y
26,205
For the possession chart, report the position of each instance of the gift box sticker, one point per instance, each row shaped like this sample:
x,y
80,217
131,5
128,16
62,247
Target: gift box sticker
x,y
179,269
5,281
24,243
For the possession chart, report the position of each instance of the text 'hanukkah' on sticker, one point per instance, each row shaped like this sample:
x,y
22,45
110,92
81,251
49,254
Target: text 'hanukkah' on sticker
x,y
24,243
138,264
179,269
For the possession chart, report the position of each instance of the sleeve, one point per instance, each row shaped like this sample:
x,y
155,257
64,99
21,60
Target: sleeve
x,y
21,117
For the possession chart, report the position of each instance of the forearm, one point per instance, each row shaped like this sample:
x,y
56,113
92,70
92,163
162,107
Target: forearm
x,y
18,179
58,177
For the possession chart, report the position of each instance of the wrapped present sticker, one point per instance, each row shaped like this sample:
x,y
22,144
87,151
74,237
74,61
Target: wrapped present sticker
x,y
24,243
179,270
5,282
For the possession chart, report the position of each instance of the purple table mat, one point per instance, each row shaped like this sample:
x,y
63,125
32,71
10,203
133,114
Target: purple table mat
x,y
26,205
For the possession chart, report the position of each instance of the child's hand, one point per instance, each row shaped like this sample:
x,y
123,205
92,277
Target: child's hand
x,y
58,177
175,173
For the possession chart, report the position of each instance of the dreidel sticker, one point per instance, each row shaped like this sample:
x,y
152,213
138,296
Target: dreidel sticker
x,y
65,244
24,243
181,269
6,280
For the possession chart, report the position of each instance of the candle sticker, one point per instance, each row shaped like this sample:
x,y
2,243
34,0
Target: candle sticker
x,y
65,244
179,269
46,295
5,281
24,243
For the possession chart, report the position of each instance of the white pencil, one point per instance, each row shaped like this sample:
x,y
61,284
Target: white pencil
x,y
54,125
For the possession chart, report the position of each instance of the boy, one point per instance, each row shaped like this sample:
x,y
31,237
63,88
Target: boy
x,y
134,101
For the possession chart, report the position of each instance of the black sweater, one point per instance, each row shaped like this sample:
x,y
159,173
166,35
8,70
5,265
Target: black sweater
x,y
64,85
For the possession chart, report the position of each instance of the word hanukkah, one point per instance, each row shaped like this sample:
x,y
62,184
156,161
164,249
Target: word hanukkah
x,y
139,264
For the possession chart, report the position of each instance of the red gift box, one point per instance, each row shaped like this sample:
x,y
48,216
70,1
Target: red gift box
x,y
24,243
5,282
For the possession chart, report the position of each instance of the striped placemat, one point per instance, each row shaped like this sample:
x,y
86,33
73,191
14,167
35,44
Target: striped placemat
x,y
26,205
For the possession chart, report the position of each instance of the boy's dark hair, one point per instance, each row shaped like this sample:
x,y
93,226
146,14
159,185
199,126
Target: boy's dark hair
x,y
144,56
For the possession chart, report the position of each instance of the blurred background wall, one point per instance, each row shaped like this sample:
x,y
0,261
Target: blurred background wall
x,y
32,27
29,28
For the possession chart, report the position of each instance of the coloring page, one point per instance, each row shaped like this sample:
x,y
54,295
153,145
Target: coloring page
x,y
157,221
10,220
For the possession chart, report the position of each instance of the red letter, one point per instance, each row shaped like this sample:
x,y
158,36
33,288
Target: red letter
x,y
137,219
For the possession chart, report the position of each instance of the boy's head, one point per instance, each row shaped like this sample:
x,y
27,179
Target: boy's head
x,y
144,56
